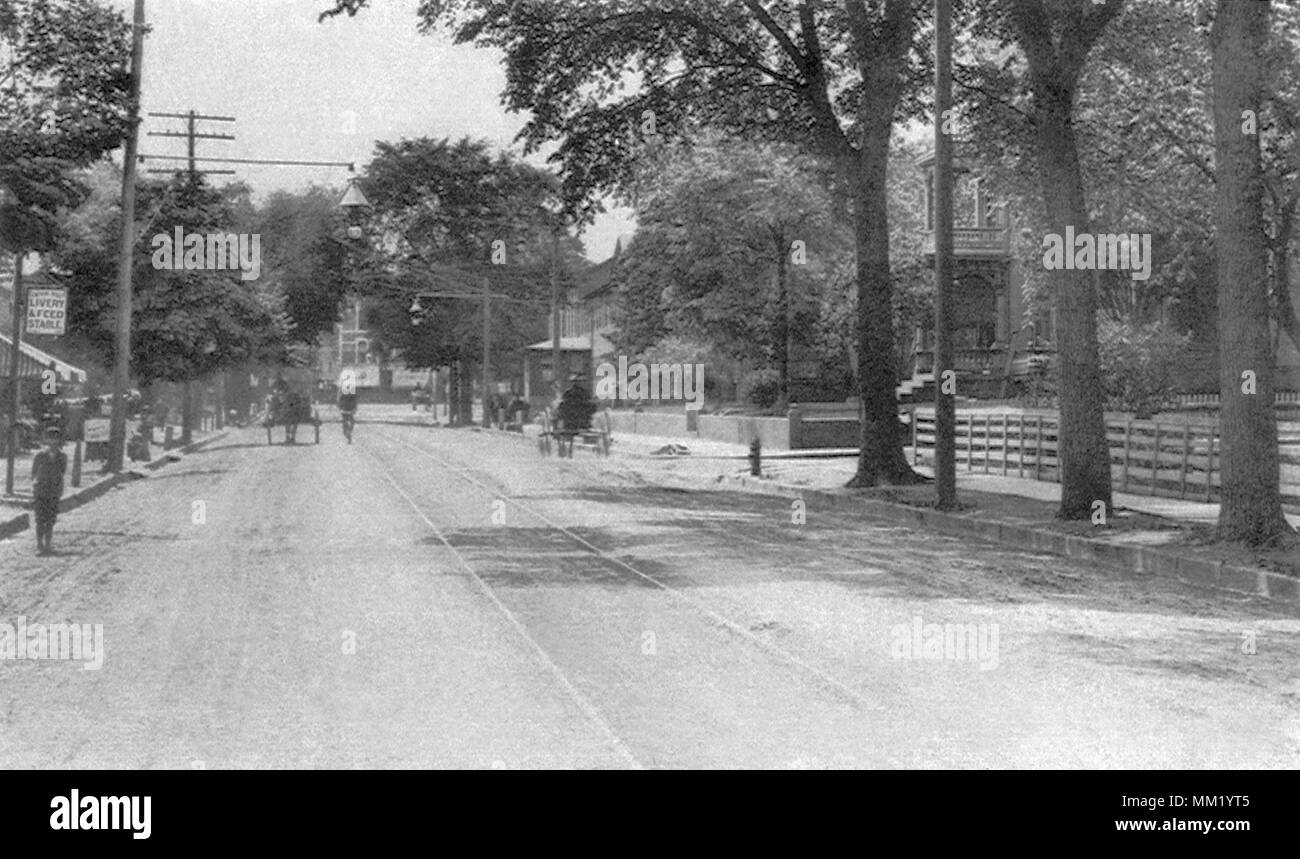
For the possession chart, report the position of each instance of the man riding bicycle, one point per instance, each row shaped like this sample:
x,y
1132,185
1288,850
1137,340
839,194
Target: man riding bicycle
x,y
348,411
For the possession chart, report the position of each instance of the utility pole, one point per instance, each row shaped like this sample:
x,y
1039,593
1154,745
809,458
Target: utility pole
x,y
487,354
945,405
126,254
192,135
15,352
555,310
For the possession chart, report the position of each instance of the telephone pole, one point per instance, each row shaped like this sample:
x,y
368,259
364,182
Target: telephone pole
x,y
15,354
126,255
945,402
487,355
192,135
555,311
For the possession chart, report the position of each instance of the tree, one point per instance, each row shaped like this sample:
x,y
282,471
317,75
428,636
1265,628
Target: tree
x,y
63,95
1251,509
723,229
448,218
1153,73
305,261
831,77
1053,41
186,324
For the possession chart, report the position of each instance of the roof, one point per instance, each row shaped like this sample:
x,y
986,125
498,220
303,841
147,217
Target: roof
x,y
596,278
581,343
599,278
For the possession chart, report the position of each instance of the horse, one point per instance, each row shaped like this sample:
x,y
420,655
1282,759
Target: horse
x,y
287,409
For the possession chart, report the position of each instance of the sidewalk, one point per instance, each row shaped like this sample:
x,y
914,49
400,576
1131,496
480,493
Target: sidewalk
x,y
812,470
14,516
1145,534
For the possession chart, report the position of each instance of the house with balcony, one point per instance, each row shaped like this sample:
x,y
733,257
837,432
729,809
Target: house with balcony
x,y
992,344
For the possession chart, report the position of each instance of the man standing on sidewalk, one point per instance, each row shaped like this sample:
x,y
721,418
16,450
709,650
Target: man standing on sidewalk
x,y
48,468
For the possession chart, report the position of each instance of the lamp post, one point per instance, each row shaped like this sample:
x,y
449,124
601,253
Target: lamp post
x,y
556,213
355,204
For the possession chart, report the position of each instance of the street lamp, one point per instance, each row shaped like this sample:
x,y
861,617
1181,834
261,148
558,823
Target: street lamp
x,y
354,203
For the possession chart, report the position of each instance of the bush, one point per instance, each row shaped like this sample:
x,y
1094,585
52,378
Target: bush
x,y
762,387
1139,364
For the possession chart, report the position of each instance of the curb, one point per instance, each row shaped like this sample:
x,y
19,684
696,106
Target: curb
x,y
1136,560
22,521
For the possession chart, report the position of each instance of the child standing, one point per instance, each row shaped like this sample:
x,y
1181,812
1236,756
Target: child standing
x,y
48,468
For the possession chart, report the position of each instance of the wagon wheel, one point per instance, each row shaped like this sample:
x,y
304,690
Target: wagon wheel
x,y
544,438
606,432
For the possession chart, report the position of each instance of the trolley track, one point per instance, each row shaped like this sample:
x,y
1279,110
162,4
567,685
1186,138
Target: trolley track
x,y
589,711
718,619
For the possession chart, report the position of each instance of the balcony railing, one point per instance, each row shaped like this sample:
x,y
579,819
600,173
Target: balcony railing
x,y
980,361
988,362
982,242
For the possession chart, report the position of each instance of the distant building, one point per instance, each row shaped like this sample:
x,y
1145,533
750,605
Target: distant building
x,y
993,342
586,324
348,348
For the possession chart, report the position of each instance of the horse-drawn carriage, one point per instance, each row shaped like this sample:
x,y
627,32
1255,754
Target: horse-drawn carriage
x,y
596,435
288,407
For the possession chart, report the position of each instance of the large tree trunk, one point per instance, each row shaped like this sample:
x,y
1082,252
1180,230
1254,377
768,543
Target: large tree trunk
x,y
881,459
1251,509
1083,452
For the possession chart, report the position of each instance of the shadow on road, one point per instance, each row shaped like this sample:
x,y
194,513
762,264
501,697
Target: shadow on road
x,y
722,537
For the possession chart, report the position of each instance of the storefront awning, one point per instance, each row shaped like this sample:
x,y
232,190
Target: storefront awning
x,y
33,362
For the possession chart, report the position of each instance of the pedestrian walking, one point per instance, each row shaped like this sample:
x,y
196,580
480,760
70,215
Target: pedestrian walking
x,y
48,468
348,411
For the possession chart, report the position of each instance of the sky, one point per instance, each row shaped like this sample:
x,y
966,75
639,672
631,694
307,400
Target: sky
x,y
302,90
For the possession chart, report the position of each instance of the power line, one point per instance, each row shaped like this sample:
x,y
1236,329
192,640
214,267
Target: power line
x,y
351,165
191,135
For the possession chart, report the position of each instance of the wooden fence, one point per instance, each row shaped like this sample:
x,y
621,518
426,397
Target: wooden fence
x,y
1174,460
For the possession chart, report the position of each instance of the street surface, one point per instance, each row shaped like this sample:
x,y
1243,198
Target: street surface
x,y
447,598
